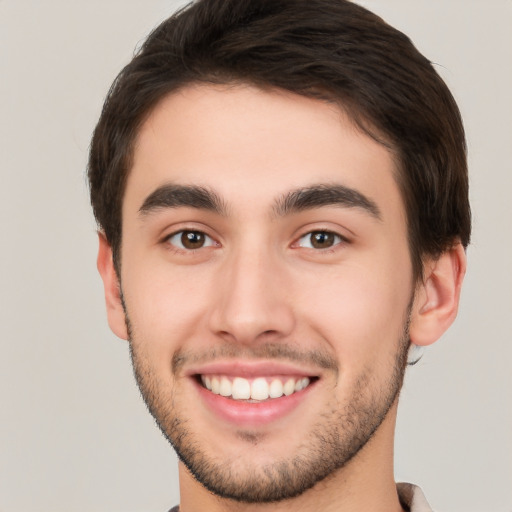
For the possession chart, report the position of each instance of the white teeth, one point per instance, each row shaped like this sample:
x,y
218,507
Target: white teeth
x,y
258,389
276,389
289,387
301,384
207,382
241,389
225,387
215,385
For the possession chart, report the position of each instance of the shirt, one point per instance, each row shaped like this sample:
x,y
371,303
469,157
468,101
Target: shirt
x,y
411,497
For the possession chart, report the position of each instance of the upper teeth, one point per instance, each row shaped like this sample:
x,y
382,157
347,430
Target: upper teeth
x,y
257,389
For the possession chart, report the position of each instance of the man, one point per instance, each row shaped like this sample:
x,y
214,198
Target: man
x,y
281,190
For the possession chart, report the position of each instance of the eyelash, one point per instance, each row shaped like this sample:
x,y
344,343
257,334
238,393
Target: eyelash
x,y
168,240
210,242
338,240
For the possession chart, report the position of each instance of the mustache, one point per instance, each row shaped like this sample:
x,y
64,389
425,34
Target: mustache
x,y
268,351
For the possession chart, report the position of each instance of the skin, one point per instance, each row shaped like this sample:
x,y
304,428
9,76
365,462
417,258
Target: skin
x,y
258,284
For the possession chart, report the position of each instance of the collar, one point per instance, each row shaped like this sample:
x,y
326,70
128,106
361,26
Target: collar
x,y
412,497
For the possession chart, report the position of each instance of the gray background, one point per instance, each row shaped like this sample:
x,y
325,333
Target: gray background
x,y
74,434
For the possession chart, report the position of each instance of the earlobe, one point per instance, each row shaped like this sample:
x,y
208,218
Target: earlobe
x,y
115,310
437,297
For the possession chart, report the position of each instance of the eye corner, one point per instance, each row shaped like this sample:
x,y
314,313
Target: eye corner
x,y
189,240
320,240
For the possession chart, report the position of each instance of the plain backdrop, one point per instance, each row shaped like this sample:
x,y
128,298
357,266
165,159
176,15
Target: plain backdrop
x,y
74,433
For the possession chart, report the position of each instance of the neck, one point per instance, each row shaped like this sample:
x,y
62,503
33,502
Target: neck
x,y
365,483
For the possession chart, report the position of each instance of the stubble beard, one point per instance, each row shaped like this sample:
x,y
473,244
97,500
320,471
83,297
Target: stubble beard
x,y
337,437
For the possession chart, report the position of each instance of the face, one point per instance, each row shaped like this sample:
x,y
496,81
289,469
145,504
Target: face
x,y
267,284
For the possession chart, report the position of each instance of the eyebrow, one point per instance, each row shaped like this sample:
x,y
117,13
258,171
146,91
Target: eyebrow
x,y
317,196
175,196
295,201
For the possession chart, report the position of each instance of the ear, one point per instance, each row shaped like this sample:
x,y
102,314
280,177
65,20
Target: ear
x,y
436,300
115,311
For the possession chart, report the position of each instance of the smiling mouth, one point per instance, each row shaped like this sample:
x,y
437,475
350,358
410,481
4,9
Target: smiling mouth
x,y
258,389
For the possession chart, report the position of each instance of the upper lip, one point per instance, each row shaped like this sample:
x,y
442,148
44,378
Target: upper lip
x,y
248,369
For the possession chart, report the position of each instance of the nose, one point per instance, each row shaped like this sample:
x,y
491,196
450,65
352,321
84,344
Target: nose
x,y
253,301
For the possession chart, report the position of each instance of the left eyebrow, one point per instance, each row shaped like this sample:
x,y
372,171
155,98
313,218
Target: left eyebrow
x,y
317,196
175,196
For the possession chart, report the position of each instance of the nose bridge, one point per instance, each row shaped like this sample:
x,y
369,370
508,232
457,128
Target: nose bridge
x,y
252,299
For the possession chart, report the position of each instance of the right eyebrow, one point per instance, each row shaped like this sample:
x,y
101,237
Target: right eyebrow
x,y
175,196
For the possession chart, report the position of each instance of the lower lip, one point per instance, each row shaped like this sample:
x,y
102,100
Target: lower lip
x,y
252,414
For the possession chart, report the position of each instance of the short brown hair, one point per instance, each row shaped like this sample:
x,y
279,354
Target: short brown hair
x,y
329,49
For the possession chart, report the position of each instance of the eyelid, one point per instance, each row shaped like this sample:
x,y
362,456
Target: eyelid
x,y
210,241
341,239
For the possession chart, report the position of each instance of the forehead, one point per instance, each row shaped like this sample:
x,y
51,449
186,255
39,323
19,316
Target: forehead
x,y
251,146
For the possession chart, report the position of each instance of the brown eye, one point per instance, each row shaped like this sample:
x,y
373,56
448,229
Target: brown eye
x,y
190,240
320,240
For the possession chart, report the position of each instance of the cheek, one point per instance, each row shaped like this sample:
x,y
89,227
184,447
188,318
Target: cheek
x,y
165,305
360,312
